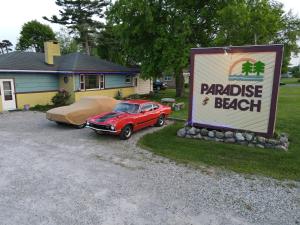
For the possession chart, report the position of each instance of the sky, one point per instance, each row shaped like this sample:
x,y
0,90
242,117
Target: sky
x,y
14,13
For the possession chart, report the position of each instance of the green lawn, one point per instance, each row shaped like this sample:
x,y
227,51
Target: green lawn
x,y
290,80
267,162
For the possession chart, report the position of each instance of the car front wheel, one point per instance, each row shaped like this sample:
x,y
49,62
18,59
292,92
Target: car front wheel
x,y
126,132
161,121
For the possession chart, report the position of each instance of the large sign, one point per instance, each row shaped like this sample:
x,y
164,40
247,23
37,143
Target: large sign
x,y
235,88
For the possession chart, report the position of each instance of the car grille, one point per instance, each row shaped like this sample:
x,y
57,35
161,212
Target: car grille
x,y
102,127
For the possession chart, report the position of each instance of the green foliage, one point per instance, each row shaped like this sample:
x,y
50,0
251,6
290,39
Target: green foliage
x,y
247,68
68,44
33,35
79,16
41,108
61,98
119,95
5,46
248,22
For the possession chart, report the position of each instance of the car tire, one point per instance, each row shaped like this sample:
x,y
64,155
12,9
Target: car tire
x,y
59,123
161,121
126,132
80,126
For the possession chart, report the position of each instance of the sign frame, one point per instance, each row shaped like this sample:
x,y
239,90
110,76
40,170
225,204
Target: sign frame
x,y
278,49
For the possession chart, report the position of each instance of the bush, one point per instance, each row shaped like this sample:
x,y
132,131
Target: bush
x,y
41,108
61,98
119,95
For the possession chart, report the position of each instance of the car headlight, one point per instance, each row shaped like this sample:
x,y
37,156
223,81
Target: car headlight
x,y
87,123
112,127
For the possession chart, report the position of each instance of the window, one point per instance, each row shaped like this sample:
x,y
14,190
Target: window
x,y
155,106
90,82
128,79
147,107
126,107
82,86
168,78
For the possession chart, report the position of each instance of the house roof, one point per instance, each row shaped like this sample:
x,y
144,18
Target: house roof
x,y
73,62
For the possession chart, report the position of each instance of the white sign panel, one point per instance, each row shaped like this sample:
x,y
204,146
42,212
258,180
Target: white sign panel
x,y
235,88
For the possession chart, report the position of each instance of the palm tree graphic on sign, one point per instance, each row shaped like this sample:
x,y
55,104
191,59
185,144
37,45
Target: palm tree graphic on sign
x,y
259,67
247,68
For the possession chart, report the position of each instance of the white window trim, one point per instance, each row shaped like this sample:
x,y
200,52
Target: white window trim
x,y
92,89
169,78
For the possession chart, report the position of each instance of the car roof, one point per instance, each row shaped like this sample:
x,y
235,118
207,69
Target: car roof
x,y
137,101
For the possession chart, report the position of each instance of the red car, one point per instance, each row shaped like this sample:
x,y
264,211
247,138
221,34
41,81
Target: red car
x,y
128,117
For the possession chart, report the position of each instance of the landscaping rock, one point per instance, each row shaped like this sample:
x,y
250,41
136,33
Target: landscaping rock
x,y
251,145
243,143
261,139
211,134
260,146
219,134
198,130
230,140
219,140
181,132
281,147
229,134
249,136
239,137
273,141
192,131
283,139
204,132
198,136
188,136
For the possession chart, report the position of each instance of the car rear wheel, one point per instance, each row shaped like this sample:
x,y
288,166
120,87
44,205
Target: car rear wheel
x,y
126,132
161,121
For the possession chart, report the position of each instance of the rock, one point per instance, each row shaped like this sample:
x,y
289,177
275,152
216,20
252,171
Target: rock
x,y
198,136
281,147
192,131
219,134
229,134
229,140
254,141
188,136
273,141
283,139
249,136
250,145
206,138
268,145
181,132
219,140
204,132
239,137
260,146
261,139
198,130
211,134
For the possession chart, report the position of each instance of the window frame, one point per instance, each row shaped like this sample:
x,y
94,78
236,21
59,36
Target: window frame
x,y
130,79
82,82
169,78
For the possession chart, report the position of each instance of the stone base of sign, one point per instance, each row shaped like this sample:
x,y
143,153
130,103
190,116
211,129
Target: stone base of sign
x,y
243,138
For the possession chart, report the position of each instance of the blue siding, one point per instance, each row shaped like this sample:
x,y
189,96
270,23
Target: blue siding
x,y
34,82
113,80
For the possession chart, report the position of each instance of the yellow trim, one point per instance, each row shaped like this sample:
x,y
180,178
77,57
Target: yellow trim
x,y
33,99
108,92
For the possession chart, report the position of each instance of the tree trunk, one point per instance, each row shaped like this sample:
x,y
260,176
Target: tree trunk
x,y
87,47
179,84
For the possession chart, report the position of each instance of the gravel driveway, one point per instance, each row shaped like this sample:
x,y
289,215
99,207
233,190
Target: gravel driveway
x,y
53,174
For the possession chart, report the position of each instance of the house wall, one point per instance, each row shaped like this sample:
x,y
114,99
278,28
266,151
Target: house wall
x,y
115,80
108,92
143,86
32,88
32,99
69,86
1,109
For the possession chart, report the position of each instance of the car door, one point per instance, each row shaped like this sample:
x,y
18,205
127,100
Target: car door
x,y
143,119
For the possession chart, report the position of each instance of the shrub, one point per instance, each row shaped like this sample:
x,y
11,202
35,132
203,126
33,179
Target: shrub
x,y
119,95
61,98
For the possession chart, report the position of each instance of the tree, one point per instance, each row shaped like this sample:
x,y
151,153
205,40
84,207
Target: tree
x,y
259,67
68,44
33,35
5,45
248,22
79,16
247,68
159,33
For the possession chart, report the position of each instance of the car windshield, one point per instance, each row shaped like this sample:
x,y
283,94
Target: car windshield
x,y
127,107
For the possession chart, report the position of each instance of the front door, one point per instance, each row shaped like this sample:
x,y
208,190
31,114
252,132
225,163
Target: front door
x,y
7,91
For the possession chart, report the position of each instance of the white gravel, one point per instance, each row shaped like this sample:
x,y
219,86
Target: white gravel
x,y
59,175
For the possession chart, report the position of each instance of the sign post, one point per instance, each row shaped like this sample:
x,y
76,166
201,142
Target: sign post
x,y
235,88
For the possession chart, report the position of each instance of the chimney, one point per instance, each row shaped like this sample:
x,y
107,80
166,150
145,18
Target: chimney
x,y
52,49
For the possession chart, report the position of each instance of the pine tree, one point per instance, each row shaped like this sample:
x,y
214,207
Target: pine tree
x,y
247,68
259,67
79,17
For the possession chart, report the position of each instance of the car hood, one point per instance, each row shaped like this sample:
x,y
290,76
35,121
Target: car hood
x,y
108,118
